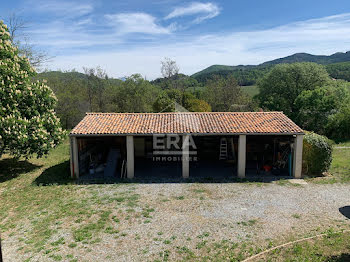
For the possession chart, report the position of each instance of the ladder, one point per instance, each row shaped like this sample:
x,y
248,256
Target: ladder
x,y
223,149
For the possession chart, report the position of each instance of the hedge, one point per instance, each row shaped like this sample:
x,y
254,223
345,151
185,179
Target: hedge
x,y
317,154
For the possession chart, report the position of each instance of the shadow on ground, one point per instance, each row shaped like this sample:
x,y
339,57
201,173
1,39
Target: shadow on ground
x,y
345,257
345,211
55,175
60,175
171,172
11,168
152,179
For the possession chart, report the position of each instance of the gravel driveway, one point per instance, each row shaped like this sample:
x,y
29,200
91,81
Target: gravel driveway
x,y
220,209
186,213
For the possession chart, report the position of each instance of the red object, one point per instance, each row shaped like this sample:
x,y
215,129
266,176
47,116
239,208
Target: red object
x,y
267,168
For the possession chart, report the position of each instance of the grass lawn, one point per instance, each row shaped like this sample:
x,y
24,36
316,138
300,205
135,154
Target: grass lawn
x,y
333,247
340,168
47,217
250,90
341,161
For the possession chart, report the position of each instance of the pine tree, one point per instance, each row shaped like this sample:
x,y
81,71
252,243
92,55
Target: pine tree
x,y
28,123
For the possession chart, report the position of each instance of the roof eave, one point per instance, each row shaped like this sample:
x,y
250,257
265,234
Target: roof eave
x,y
200,134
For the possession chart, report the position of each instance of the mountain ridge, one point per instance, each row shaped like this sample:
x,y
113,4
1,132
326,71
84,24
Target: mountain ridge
x,y
297,57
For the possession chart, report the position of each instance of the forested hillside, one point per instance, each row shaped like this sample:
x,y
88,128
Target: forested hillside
x,y
337,65
304,57
339,70
78,93
245,75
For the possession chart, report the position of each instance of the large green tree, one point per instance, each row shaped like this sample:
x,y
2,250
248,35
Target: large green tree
x,y
316,106
338,126
28,123
285,82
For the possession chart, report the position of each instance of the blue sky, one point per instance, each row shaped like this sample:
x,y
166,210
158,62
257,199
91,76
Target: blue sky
x,y
126,37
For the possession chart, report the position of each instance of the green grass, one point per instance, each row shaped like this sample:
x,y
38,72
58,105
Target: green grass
x,y
250,90
340,168
341,161
334,247
199,190
87,231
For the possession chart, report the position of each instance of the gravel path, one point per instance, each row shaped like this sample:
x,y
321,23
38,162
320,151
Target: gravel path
x,y
276,209
184,213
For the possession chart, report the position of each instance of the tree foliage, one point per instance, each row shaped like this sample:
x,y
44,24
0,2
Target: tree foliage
x,y
163,103
224,94
95,87
135,95
339,70
285,82
316,106
170,100
338,126
70,90
28,123
245,75
197,105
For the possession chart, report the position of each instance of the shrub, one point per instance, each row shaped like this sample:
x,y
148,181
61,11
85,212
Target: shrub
x,y
317,154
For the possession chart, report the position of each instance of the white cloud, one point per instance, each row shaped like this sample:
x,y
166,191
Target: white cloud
x,y
59,37
318,36
65,26
83,22
61,8
204,10
137,23
64,34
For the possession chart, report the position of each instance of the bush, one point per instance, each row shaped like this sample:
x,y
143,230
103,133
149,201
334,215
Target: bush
x,y
317,154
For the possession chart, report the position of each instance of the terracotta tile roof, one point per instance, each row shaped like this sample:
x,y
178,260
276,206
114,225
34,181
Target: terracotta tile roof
x,y
182,123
